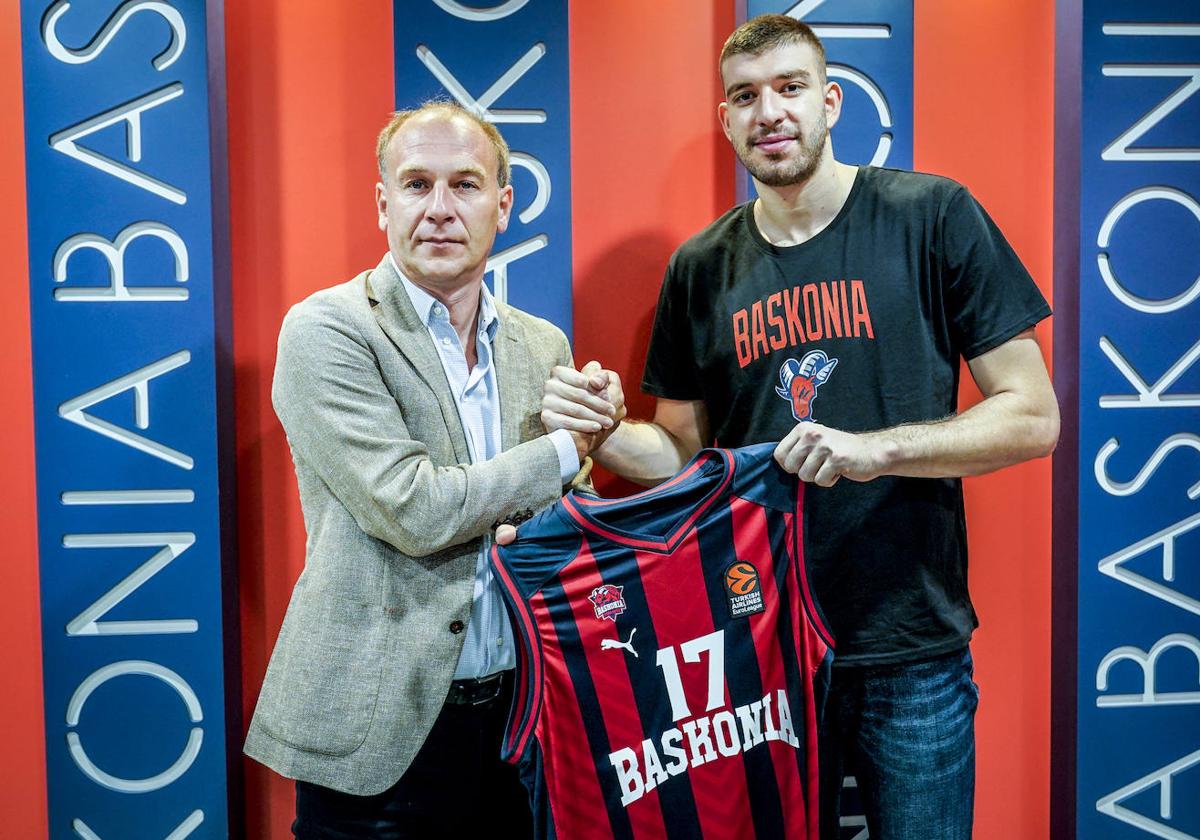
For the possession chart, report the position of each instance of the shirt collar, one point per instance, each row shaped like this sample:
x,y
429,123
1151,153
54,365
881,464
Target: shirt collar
x,y
424,302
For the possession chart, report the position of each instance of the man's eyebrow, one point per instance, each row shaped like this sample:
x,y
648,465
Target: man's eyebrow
x,y
417,169
798,73
729,91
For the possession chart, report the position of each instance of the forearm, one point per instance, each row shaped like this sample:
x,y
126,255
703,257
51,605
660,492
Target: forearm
x,y
1002,430
591,402
644,452
1017,420
392,467
396,493
422,508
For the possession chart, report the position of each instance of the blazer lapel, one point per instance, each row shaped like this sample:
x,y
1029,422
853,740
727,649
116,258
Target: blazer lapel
x,y
513,376
398,319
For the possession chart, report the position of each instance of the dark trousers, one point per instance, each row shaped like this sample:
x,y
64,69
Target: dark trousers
x,y
908,731
456,786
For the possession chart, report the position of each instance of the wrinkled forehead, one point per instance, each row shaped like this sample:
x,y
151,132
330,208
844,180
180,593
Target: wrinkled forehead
x,y
785,60
441,141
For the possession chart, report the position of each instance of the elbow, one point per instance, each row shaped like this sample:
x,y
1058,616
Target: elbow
x,y
410,511
416,542
384,525
412,545
1046,432
409,543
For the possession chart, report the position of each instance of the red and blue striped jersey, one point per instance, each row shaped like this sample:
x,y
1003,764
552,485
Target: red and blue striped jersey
x,y
673,663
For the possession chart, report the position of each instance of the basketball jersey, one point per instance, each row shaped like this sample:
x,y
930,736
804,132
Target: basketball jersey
x,y
672,662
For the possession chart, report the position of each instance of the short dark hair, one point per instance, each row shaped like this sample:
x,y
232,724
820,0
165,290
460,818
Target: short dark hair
x,y
451,109
766,32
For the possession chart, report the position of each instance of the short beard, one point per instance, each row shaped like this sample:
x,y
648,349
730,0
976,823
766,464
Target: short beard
x,y
794,171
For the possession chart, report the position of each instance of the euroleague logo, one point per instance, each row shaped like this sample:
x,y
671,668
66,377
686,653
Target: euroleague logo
x,y
608,601
743,589
800,380
741,578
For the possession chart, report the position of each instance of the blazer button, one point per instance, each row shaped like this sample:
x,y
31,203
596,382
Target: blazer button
x,y
456,626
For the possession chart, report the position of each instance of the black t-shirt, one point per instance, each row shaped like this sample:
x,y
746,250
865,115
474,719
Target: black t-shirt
x,y
859,328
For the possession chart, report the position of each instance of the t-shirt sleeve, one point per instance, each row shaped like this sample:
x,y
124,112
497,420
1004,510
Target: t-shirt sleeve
x,y
671,370
990,296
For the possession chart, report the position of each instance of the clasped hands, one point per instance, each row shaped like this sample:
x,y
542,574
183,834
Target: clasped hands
x,y
590,404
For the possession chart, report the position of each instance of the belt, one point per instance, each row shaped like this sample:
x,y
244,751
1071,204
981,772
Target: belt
x,y
476,692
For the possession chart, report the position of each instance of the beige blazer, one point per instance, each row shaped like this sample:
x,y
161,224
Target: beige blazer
x,y
394,512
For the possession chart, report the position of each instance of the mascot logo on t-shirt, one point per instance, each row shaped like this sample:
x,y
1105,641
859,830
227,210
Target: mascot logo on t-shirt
x,y
801,379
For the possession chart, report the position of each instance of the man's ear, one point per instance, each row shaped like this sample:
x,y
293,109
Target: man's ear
x,y
506,203
723,118
833,103
381,205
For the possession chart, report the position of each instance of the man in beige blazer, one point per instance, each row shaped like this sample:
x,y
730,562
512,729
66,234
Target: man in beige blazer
x,y
411,402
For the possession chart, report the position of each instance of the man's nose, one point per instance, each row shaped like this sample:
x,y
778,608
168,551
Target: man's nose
x,y
440,206
770,107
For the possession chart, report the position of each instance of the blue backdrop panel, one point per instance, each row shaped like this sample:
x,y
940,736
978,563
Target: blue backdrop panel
x,y
869,52
1138,759
507,61
125,327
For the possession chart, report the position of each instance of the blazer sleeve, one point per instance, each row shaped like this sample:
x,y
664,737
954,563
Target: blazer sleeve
x,y
341,418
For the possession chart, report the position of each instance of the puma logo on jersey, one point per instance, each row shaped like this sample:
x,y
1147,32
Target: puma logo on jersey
x,y
800,380
610,644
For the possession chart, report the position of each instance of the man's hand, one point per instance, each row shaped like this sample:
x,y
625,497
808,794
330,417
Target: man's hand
x,y
584,444
588,402
505,534
822,455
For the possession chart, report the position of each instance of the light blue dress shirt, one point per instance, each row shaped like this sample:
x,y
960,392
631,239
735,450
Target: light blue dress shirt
x,y
488,647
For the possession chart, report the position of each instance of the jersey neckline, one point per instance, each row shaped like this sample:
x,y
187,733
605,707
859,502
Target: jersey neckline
x,y
582,510
790,251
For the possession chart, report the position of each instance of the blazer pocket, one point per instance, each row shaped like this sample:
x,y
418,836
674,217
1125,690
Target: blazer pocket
x,y
326,683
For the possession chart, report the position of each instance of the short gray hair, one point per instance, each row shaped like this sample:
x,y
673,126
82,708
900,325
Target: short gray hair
x,y
450,109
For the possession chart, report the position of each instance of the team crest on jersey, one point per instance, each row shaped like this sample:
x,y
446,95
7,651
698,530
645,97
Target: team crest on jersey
x,y
608,601
800,380
743,589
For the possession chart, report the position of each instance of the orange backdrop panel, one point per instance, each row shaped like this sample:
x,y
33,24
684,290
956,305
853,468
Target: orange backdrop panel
x,y
310,84
984,92
651,167
22,724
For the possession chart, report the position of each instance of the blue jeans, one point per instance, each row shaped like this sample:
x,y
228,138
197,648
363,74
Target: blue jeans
x,y
907,734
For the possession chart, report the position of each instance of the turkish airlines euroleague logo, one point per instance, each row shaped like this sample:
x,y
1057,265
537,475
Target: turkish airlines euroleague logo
x,y
743,589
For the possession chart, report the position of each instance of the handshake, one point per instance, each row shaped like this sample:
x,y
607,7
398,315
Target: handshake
x,y
588,403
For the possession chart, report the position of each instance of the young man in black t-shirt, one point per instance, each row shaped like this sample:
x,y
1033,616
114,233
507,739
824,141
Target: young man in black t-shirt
x,y
830,315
